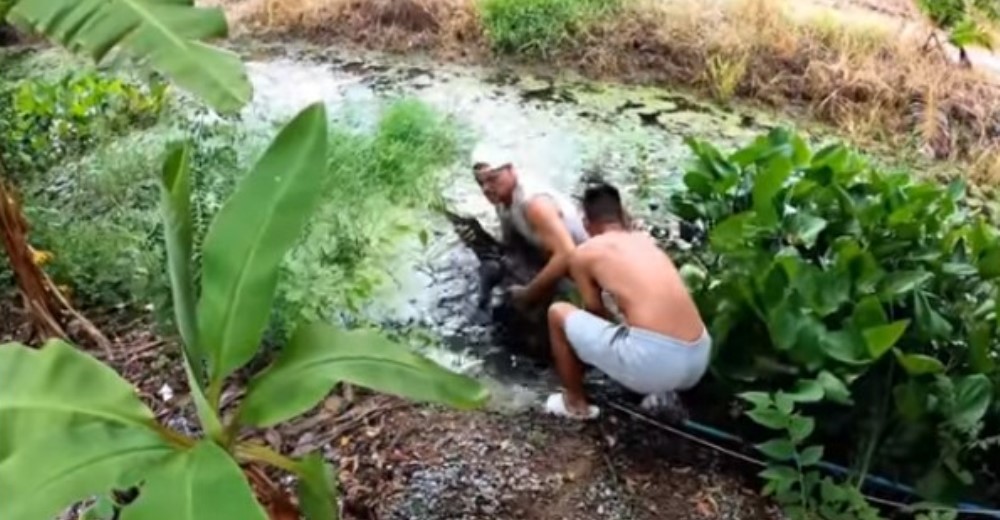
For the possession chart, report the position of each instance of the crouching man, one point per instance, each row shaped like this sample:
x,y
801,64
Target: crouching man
x,y
661,345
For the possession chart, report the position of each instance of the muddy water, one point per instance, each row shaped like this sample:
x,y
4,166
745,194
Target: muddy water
x,y
557,130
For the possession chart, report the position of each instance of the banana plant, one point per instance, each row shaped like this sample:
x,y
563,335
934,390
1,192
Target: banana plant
x,y
167,34
73,428
963,22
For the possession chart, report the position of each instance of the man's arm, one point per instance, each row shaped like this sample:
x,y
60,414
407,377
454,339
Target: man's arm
x,y
506,229
544,217
579,269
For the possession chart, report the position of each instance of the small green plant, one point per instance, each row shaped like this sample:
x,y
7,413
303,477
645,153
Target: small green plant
x,y
963,21
725,71
45,122
340,262
539,27
821,268
104,232
73,428
792,476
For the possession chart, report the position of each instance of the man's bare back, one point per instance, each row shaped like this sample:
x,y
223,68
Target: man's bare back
x,y
663,345
643,281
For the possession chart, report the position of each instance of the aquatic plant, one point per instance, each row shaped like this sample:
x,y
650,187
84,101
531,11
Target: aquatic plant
x,y
868,296
341,260
74,444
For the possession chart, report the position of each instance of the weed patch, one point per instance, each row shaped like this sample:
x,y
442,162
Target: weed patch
x,y
45,121
539,27
375,182
725,72
98,215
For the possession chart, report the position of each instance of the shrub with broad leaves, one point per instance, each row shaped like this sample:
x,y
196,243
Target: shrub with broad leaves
x,y
870,298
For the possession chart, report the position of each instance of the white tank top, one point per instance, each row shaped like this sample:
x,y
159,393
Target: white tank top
x,y
515,213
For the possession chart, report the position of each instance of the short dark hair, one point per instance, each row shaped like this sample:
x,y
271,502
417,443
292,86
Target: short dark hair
x,y
603,204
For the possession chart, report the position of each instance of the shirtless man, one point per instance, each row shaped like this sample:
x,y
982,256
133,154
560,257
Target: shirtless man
x,y
547,221
662,344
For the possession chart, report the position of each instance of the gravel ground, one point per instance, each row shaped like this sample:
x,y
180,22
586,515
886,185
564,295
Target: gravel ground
x,y
439,464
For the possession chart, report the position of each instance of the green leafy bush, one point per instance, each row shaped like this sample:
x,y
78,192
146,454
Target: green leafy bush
x,y
539,27
60,444
793,477
98,214
876,291
44,122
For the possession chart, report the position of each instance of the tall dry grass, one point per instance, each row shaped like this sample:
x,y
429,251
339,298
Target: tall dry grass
x,y
444,26
873,81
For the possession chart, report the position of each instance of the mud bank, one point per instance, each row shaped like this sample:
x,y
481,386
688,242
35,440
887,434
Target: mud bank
x,y
865,75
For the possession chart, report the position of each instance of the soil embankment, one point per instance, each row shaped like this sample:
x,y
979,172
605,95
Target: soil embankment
x,y
869,75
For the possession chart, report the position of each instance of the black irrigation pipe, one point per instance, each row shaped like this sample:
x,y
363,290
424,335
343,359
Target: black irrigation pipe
x,y
695,428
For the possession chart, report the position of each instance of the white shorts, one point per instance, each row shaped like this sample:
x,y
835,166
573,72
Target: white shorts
x,y
643,361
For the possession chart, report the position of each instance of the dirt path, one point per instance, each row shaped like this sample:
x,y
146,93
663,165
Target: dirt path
x,y
418,462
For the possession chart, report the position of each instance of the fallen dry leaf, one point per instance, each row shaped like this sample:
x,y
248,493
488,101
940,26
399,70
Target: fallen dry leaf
x,y
273,439
706,505
334,404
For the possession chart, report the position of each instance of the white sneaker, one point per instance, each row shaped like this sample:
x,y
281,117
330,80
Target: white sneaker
x,y
556,405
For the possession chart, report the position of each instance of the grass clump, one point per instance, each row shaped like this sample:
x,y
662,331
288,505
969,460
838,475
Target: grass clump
x,y
724,73
433,25
376,181
539,27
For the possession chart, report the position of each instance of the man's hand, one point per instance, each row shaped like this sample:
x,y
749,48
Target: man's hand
x,y
544,216
520,297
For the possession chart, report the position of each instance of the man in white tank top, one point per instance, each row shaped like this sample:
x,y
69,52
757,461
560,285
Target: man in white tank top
x,y
545,219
